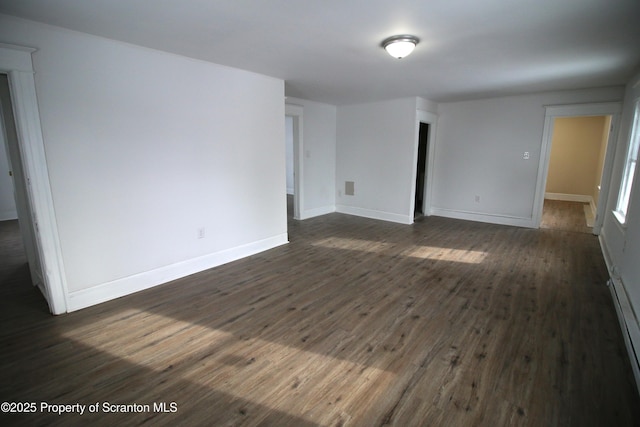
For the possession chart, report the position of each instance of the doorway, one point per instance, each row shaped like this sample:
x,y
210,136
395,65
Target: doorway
x,y
16,63
22,205
294,150
610,109
288,136
572,193
421,168
423,161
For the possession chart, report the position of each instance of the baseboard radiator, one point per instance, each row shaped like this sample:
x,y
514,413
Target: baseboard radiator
x,y
629,325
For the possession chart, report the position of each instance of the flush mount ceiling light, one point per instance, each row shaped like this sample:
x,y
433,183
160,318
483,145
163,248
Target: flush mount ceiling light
x,y
400,46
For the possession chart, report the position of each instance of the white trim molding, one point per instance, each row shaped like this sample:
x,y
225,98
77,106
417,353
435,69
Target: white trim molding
x,y
149,279
373,214
628,324
628,319
515,221
582,198
311,213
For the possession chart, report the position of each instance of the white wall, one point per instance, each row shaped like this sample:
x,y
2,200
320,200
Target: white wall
x,y
146,148
319,156
376,146
479,153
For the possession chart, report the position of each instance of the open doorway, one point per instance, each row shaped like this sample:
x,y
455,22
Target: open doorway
x,y
294,165
288,137
421,168
576,161
8,210
601,122
16,63
422,182
14,162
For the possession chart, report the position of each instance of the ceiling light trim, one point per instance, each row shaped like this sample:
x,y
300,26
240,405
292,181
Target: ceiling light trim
x,y
400,46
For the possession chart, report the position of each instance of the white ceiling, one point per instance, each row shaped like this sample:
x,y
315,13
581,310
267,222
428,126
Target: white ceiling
x,y
329,50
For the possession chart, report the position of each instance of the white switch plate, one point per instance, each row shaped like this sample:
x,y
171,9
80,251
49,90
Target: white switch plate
x,y
526,155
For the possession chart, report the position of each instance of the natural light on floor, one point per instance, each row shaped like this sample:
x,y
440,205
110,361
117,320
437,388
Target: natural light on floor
x,y
423,252
353,244
238,366
446,254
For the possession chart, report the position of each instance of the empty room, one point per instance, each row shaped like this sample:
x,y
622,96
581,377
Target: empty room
x,y
319,213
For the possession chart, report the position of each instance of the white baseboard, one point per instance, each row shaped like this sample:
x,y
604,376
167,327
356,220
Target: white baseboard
x,y
138,282
629,324
481,217
310,213
8,215
594,208
373,214
569,197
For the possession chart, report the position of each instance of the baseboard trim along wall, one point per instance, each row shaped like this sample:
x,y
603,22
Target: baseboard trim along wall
x,y
373,214
310,213
629,324
138,282
8,215
569,197
488,218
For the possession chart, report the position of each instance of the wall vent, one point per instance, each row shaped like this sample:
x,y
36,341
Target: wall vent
x,y
349,188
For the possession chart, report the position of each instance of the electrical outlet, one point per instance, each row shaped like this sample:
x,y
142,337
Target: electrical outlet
x,y
477,199
526,155
201,233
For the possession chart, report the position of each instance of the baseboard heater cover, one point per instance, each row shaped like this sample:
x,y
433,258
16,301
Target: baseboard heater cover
x,y
628,324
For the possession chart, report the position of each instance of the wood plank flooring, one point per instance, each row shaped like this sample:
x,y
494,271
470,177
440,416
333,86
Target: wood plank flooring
x,y
565,216
355,322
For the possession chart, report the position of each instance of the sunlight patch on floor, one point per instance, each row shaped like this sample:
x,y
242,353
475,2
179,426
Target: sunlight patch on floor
x,y
241,366
423,252
446,254
353,244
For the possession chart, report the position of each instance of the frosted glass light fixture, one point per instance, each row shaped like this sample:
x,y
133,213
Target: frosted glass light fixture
x,y
400,46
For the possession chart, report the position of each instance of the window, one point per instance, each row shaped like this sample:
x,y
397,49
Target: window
x,y
629,167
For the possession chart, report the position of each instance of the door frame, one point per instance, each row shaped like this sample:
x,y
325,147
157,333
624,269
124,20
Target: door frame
x,y
16,62
20,192
552,112
431,120
296,112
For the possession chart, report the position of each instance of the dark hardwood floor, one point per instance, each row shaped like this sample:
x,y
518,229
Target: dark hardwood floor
x,y
355,322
